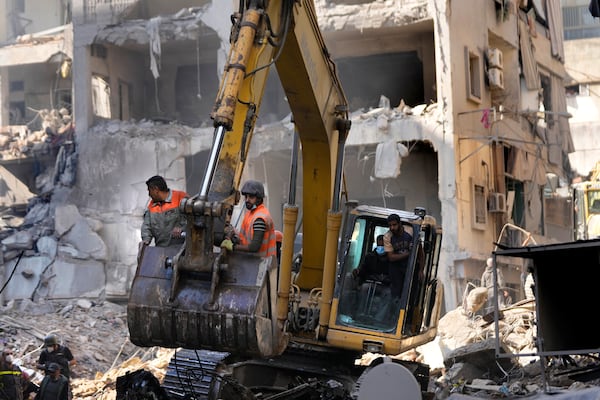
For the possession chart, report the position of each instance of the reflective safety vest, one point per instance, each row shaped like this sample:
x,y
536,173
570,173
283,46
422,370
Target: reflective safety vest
x,y
160,218
268,246
11,384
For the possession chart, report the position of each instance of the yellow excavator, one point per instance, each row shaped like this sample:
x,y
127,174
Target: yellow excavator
x,y
586,206
246,327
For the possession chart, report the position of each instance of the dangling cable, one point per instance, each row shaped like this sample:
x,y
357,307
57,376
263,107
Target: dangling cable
x,y
12,272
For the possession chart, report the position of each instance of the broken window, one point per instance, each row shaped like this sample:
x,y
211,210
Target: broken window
x,y
125,100
578,90
17,86
479,206
546,100
473,69
516,201
100,97
16,112
579,23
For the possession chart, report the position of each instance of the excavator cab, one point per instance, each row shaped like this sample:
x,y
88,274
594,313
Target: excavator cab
x,y
370,310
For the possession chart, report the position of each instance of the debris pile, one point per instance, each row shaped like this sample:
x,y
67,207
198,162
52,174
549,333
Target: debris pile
x,y
467,341
20,141
96,334
462,358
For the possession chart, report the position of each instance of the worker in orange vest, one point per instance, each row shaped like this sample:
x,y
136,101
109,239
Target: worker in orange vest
x,y
257,233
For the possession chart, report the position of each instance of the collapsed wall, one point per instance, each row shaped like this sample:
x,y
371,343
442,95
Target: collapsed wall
x,y
82,240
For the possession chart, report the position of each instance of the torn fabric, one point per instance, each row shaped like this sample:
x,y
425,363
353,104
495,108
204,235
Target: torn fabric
x,y
388,158
153,29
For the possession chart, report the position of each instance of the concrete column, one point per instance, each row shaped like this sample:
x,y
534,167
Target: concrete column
x,y
4,104
83,36
82,90
450,266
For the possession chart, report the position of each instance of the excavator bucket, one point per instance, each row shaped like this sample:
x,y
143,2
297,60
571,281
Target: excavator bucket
x,y
230,309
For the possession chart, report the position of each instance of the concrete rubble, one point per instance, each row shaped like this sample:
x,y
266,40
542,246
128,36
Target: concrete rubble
x,y
95,332
20,141
462,358
44,247
471,368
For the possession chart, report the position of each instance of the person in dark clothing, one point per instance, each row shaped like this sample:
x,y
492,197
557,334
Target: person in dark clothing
x,y
56,353
397,244
12,382
375,265
55,386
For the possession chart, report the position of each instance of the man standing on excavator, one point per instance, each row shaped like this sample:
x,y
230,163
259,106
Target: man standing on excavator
x,y
257,233
162,219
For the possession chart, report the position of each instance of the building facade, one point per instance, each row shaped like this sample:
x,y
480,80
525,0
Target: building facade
x,y
475,106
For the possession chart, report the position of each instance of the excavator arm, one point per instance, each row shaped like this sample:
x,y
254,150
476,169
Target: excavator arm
x,y
195,297
257,329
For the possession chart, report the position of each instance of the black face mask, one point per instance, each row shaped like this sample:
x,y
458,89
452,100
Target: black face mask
x,y
250,206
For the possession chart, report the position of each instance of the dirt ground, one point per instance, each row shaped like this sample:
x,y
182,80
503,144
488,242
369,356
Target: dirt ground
x,y
96,334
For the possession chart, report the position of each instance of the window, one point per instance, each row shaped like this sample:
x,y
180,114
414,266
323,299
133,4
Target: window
x,y
16,86
479,206
16,112
580,89
473,75
547,99
100,96
579,23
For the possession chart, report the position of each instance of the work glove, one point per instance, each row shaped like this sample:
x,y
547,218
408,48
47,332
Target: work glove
x,y
227,244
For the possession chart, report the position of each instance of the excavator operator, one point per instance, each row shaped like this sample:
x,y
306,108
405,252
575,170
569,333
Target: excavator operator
x,y
257,233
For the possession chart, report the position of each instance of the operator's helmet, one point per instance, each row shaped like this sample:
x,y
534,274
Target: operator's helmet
x,y
254,188
50,340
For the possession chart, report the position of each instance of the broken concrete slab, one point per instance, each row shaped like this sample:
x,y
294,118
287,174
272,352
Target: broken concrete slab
x,y
483,356
47,245
13,192
84,239
20,240
76,278
65,216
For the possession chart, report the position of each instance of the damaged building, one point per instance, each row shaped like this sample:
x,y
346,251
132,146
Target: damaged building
x,y
471,111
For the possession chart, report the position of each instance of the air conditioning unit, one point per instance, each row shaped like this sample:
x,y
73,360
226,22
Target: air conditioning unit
x,y
496,79
496,202
495,58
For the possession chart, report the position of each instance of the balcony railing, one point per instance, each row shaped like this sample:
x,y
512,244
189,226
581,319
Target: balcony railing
x,y
104,10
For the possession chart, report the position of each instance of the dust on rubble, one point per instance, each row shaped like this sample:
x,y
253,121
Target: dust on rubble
x,y
95,332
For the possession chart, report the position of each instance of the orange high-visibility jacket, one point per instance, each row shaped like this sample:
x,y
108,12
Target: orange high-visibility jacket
x,y
268,247
161,218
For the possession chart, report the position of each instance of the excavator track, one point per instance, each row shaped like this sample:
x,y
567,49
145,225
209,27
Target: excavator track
x,y
192,374
297,374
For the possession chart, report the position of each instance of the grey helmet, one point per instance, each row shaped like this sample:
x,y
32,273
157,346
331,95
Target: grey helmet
x,y
254,188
